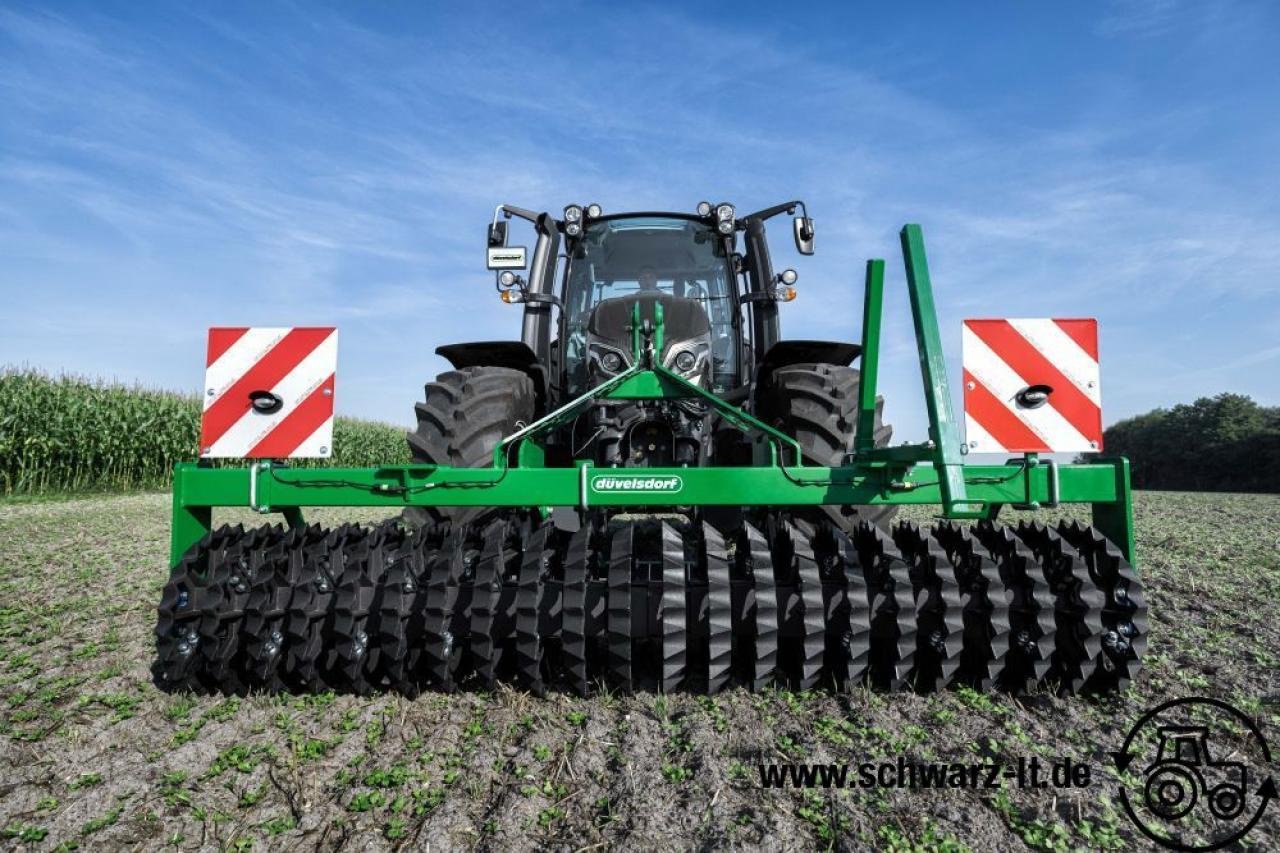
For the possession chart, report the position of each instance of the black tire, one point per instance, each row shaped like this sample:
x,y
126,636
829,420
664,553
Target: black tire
x,y
466,413
817,404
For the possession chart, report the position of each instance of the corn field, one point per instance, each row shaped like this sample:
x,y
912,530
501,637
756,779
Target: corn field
x,y
66,434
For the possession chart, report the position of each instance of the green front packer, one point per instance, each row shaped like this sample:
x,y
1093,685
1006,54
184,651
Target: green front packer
x,y
585,577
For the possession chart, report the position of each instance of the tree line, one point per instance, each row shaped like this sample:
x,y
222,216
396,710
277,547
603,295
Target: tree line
x,y
1226,443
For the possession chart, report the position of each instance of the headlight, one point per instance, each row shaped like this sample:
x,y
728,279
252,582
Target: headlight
x,y
725,227
704,208
594,211
573,213
573,229
724,212
688,358
604,358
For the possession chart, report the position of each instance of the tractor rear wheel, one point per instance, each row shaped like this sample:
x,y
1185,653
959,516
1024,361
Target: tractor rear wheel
x,y
466,413
817,405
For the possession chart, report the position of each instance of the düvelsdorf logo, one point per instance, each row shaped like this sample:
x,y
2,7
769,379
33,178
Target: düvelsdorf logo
x,y
612,483
1195,774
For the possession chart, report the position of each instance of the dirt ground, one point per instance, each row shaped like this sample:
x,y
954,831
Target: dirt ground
x,y
92,755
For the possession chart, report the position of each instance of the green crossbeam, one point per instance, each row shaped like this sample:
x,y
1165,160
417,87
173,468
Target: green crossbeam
x,y
273,488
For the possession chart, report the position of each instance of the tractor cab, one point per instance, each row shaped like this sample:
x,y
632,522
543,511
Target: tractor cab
x,y
710,270
678,262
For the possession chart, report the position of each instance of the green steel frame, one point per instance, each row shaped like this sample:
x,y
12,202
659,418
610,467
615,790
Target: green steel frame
x,y
928,473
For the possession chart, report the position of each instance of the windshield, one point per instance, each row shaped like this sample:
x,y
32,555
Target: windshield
x,y
682,257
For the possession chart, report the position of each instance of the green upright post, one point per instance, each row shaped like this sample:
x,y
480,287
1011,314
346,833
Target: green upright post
x,y
1115,520
933,369
190,524
872,303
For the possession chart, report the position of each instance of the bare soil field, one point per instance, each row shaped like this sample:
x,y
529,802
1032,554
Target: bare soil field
x,y
93,756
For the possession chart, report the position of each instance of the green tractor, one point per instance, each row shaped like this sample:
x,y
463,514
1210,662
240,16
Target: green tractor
x,y
653,489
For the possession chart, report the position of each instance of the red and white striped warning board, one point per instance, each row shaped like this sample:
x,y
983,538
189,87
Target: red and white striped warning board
x,y
1032,386
268,393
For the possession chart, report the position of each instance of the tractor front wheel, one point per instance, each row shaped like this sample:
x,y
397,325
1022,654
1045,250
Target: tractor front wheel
x,y
466,413
817,405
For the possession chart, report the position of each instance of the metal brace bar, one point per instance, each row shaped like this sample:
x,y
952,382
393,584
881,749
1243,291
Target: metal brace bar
x,y
873,301
933,370
253,488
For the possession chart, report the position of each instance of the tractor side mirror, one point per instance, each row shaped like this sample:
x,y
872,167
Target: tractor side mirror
x,y
498,233
803,227
500,255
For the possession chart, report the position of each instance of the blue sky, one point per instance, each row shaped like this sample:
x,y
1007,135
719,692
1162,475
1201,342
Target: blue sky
x,y
166,169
